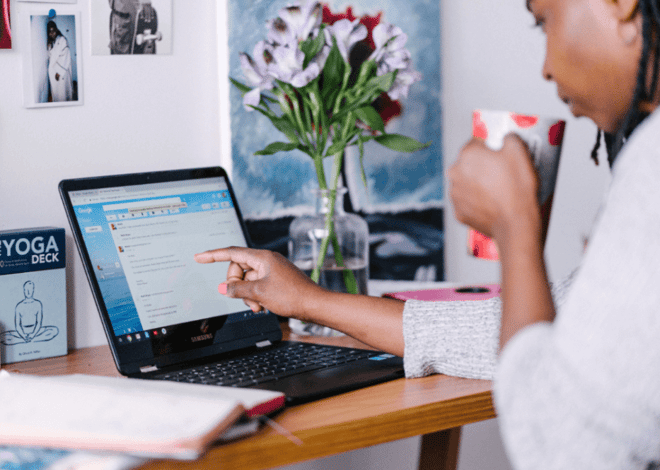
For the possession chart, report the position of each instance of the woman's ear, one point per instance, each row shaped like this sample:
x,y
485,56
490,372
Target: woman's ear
x,y
630,24
626,9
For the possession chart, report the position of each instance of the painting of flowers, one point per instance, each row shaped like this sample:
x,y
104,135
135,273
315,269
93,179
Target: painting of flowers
x,y
403,195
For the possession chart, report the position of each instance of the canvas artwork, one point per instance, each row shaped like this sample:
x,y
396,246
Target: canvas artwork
x,y
5,25
404,197
52,68
122,27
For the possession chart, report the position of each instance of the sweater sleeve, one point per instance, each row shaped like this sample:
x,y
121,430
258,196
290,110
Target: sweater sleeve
x,y
584,391
458,338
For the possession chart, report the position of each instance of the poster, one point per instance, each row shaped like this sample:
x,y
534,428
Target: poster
x,y
404,198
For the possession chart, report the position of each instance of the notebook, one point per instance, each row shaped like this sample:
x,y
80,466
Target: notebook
x,y
162,314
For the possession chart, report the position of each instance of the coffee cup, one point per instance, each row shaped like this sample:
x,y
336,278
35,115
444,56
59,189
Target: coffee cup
x,y
543,136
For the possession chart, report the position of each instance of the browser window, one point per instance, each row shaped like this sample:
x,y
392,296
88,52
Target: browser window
x,y
147,237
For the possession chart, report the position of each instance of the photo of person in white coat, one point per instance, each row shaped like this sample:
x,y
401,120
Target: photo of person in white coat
x,y
59,65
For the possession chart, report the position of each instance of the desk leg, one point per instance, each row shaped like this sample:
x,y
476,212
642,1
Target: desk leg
x,y
439,450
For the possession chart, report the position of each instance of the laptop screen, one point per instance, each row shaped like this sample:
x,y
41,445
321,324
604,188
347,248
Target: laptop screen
x,y
140,241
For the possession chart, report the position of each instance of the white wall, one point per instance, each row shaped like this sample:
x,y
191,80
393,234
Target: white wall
x,y
492,58
139,113
143,113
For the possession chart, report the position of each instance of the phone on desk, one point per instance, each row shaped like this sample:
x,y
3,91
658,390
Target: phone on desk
x,y
470,292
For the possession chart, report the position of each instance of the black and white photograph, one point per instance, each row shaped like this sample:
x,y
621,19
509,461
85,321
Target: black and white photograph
x,y
122,27
52,63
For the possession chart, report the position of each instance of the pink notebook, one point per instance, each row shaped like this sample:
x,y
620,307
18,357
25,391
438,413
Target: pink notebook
x,y
478,292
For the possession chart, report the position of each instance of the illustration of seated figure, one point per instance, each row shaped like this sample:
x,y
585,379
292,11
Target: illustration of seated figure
x,y
28,319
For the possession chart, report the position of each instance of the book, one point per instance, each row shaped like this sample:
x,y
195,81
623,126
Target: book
x,y
476,292
38,458
32,294
153,419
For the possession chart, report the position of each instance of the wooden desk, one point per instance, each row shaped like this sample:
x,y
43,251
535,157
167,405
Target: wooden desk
x,y
433,406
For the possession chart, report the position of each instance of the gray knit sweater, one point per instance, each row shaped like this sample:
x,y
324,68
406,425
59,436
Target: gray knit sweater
x,y
584,391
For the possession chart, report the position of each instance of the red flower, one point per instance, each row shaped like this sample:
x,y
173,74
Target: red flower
x,y
386,107
370,22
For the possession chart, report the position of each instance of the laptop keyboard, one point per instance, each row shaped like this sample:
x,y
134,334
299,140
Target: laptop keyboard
x,y
272,364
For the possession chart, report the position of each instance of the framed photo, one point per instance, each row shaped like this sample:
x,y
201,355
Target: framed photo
x,y
132,27
52,68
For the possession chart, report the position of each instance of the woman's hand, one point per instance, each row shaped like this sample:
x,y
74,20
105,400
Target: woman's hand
x,y
495,192
263,279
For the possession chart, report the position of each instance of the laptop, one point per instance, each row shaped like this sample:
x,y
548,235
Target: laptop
x,y
162,314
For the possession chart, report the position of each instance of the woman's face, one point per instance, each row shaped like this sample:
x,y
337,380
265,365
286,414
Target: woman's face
x,y
52,33
590,56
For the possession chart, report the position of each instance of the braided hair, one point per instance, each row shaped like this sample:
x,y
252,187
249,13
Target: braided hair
x,y
650,11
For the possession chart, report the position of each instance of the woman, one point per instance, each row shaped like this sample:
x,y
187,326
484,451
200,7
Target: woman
x,y
574,389
59,65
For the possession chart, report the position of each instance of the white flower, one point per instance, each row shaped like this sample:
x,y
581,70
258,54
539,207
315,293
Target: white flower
x,y
287,65
388,39
404,78
396,60
296,23
391,55
347,33
256,72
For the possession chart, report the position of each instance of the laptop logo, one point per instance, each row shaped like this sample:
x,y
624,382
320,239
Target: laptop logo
x,y
195,339
203,328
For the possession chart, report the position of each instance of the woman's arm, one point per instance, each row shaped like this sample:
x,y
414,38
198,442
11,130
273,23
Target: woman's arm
x,y
495,192
264,279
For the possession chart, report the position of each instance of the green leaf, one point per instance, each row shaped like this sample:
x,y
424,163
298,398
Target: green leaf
x,y
382,83
367,69
312,47
400,143
335,148
282,124
243,88
266,112
285,127
277,147
333,71
351,108
363,174
370,117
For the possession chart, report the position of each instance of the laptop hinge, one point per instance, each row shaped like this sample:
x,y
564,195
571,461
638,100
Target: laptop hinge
x,y
146,369
263,344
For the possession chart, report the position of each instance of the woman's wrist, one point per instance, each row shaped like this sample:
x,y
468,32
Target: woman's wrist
x,y
519,230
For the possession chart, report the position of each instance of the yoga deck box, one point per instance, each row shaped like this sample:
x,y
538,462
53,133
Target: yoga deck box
x,y
32,294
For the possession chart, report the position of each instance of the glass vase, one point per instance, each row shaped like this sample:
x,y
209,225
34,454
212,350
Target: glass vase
x,y
346,261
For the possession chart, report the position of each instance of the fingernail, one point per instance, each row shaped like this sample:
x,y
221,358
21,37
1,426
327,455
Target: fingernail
x,y
222,288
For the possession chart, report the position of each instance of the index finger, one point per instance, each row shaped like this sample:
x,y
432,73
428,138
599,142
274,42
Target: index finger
x,y
232,253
